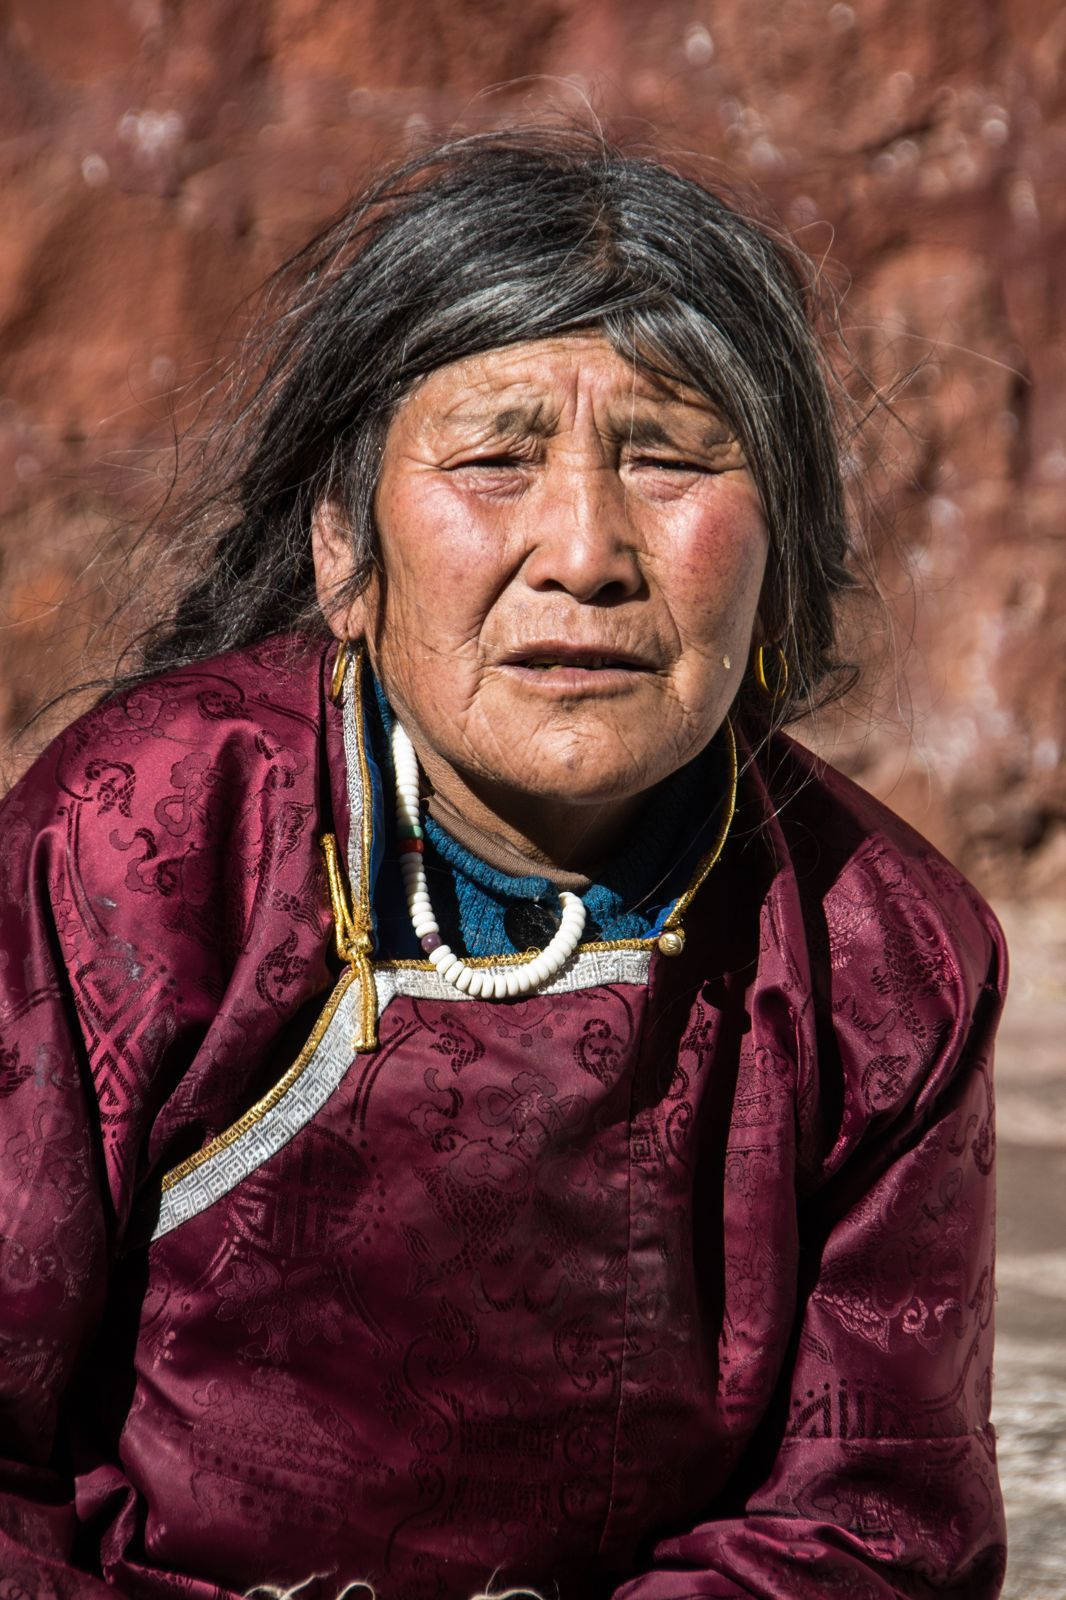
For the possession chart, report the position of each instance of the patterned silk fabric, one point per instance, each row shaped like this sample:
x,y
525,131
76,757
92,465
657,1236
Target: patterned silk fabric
x,y
674,1281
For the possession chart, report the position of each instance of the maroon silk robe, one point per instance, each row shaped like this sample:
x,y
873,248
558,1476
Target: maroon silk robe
x,y
674,1280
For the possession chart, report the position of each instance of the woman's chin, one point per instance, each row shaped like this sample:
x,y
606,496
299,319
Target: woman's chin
x,y
576,779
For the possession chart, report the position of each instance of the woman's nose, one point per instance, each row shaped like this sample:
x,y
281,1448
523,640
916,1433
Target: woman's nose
x,y
583,542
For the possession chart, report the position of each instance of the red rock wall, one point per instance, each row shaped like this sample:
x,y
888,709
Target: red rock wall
x,y
159,156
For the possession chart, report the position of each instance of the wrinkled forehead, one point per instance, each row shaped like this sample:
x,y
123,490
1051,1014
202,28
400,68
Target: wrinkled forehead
x,y
537,386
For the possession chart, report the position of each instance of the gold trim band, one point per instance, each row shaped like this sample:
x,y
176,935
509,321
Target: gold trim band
x,y
710,860
257,1112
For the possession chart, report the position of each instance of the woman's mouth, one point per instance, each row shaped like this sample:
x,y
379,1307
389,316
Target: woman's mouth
x,y
585,664
573,670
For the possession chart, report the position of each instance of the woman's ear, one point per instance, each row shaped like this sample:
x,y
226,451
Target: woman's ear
x,y
331,550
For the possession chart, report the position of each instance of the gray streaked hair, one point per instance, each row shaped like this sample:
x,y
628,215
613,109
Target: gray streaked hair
x,y
488,241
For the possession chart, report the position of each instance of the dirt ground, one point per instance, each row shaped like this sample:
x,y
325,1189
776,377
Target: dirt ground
x,y
1030,1393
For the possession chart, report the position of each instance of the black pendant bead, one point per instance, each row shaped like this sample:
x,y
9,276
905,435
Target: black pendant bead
x,y
530,924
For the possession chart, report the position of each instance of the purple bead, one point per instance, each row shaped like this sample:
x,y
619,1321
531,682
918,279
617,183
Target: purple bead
x,y
431,942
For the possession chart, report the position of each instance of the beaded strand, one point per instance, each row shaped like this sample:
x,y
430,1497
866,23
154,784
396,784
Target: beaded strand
x,y
490,983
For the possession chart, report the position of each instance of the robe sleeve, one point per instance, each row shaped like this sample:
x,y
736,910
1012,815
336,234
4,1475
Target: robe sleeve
x,y
93,1031
874,1476
54,1214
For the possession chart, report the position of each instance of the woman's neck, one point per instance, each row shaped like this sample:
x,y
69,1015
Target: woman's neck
x,y
503,857
554,838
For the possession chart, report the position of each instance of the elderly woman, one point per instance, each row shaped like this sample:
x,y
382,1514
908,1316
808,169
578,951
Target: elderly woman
x,y
481,1104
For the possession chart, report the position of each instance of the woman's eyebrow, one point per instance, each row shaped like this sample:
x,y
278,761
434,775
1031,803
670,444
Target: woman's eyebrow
x,y
529,420
509,423
643,431
651,431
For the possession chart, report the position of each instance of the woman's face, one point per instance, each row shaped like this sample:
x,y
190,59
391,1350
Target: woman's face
x,y
572,557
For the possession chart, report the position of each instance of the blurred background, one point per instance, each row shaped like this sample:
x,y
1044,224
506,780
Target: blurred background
x,y
159,157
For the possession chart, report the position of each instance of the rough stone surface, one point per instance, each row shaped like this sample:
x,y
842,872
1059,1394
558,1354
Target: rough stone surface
x,y
1029,1406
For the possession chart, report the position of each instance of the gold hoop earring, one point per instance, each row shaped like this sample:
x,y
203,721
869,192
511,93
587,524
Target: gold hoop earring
x,y
340,667
778,689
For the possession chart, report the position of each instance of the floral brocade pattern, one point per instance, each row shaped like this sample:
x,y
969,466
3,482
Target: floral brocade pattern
x,y
641,1290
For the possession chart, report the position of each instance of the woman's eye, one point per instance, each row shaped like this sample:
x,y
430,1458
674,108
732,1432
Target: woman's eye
x,y
508,463
671,464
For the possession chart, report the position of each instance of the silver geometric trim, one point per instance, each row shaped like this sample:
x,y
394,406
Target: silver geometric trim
x,y
588,970
222,1172
349,712
329,1065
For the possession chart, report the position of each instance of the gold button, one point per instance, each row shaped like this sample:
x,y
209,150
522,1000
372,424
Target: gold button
x,y
672,942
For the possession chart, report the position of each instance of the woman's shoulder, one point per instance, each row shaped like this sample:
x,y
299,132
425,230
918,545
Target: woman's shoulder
x,y
904,960
890,902
254,711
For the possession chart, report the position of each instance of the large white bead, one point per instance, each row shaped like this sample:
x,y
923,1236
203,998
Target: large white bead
x,y
464,978
476,986
499,985
442,956
451,972
511,980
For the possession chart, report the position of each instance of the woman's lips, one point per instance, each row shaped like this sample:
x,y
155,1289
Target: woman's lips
x,y
566,670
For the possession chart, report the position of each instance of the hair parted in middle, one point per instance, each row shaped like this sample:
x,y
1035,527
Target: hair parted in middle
x,y
489,241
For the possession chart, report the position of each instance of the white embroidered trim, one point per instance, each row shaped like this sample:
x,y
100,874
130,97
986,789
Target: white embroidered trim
x,y
349,712
590,969
329,1066
224,1170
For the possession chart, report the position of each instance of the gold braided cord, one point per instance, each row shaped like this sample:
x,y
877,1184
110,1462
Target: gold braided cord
x,y
710,860
350,941
354,940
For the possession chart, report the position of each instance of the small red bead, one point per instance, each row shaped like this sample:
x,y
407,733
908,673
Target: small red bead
x,y
412,847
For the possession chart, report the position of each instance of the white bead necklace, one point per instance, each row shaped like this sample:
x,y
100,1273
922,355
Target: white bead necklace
x,y
491,983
